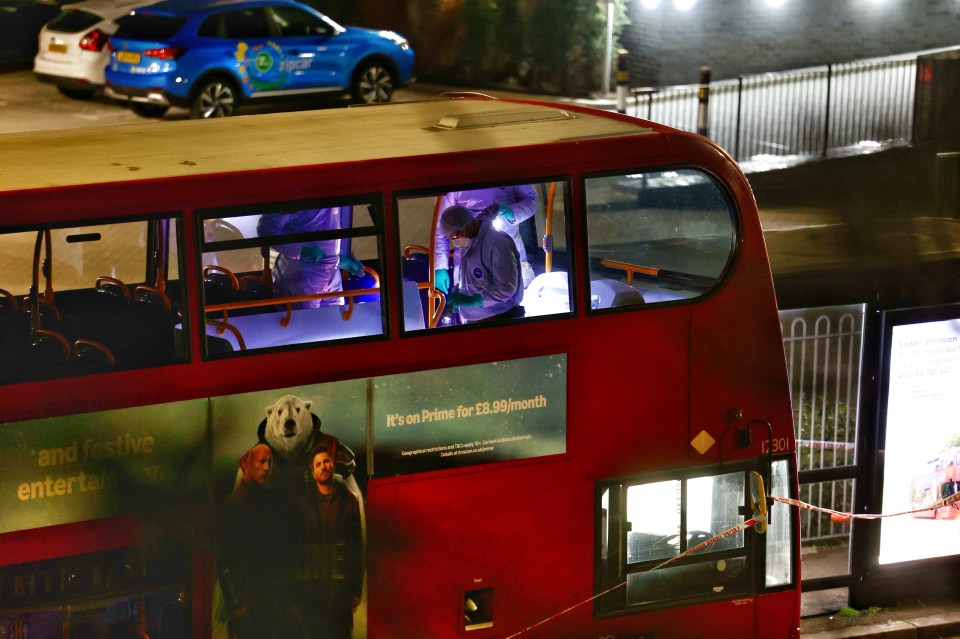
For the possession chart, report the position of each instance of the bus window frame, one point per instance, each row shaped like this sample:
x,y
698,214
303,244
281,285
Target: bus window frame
x,y
374,201
754,548
183,298
736,234
568,179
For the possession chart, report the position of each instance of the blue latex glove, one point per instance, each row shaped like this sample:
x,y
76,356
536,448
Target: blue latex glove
x,y
311,253
458,300
441,280
350,264
506,213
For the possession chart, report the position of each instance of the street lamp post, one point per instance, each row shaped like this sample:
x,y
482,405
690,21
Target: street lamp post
x,y
608,58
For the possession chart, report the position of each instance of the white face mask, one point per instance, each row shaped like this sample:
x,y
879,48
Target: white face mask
x,y
461,242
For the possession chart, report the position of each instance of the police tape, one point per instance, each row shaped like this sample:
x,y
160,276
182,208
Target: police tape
x,y
753,521
844,516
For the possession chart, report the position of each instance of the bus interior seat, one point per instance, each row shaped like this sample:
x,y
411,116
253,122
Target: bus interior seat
x,y
219,288
222,286
359,281
24,355
135,332
215,345
609,293
415,267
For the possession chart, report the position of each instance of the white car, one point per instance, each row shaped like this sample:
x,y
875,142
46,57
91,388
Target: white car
x,y
73,49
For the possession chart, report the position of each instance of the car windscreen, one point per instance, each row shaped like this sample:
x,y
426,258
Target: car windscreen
x,y
73,21
140,26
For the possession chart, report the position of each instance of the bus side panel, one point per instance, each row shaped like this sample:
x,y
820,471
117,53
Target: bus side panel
x,y
633,390
527,531
514,531
781,614
54,542
737,364
700,622
736,356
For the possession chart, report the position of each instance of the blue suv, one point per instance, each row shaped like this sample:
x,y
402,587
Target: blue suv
x,y
210,56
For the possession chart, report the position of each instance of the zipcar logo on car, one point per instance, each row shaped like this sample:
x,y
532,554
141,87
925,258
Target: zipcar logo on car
x,y
295,65
263,61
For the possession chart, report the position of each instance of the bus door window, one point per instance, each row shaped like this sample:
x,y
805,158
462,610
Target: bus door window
x,y
291,273
658,236
532,214
107,297
657,521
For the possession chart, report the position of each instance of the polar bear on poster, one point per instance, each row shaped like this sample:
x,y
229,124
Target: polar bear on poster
x,y
291,430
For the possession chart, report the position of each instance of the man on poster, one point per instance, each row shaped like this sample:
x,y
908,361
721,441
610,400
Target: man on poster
x,y
331,583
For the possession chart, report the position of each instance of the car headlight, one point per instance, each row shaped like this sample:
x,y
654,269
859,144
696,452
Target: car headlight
x,y
397,39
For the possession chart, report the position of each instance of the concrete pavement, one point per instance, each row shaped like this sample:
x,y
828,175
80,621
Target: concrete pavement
x,y
824,616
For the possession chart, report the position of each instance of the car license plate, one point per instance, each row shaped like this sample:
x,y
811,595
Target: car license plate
x,y
130,57
56,47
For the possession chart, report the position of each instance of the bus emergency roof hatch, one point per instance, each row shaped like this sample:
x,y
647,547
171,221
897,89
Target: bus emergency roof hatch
x,y
462,121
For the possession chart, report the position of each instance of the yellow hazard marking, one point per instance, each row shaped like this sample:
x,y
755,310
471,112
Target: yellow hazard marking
x,y
703,442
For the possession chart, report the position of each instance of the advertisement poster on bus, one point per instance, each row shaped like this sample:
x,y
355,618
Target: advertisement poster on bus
x,y
300,458
922,448
87,466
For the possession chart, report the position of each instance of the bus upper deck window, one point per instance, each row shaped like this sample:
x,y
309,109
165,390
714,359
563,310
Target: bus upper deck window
x,y
105,297
534,281
659,236
291,273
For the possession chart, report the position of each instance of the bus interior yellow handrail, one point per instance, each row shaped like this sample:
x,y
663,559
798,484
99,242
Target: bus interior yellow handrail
x,y
35,297
60,339
758,501
215,268
14,305
412,248
548,229
96,345
436,301
104,280
227,326
631,269
146,288
289,300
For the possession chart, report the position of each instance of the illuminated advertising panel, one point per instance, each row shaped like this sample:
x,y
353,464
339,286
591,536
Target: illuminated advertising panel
x,y
434,420
921,458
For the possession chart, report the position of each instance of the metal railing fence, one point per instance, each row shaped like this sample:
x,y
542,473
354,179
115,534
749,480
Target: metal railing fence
x,y
823,350
804,112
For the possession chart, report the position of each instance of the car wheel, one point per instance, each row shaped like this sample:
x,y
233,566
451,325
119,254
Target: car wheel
x,y
372,84
149,110
217,98
77,94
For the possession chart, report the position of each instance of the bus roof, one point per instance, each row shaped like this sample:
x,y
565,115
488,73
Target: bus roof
x,y
180,148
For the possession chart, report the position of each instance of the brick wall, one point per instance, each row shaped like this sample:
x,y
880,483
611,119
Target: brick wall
x,y
735,37
667,46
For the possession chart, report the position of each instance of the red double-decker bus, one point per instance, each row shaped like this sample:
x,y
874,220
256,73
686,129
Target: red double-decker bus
x,y
186,303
